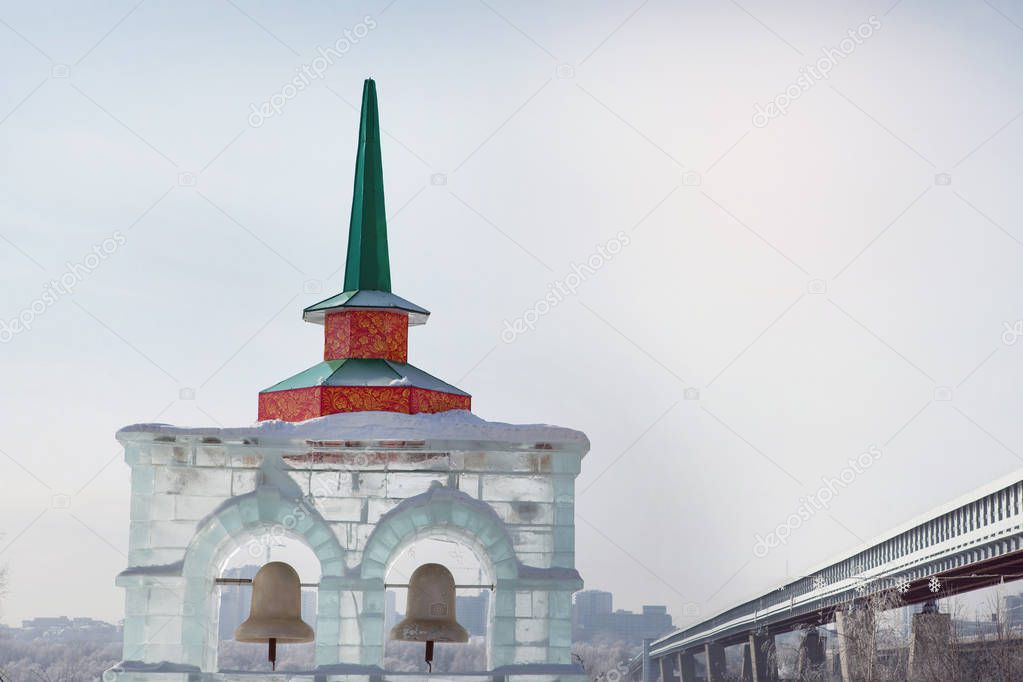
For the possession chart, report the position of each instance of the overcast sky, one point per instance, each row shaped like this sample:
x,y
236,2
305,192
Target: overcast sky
x,y
797,288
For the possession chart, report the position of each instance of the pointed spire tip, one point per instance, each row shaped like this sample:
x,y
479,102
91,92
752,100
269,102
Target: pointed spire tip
x,y
367,264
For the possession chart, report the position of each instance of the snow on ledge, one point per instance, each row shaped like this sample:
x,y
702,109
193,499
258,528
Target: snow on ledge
x,y
453,425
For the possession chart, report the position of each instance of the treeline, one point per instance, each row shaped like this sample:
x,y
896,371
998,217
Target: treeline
x,y
40,660
44,661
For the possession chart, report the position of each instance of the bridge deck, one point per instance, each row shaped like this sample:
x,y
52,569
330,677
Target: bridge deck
x,y
969,543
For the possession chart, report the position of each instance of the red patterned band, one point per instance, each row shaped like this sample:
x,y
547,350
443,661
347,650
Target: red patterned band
x,y
299,404
366,334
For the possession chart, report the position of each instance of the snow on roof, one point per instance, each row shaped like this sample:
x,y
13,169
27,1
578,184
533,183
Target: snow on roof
x,y
453,425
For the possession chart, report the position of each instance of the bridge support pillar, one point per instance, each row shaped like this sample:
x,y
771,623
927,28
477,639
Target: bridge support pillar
x,y
687,667
715,654
667,668
834,665
855,630
648,672
929,647
812,652
759,659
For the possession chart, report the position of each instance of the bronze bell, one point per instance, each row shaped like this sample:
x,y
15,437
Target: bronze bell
x,y
276,611
430,611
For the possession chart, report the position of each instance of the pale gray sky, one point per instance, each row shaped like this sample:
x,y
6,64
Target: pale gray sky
x,y
813,275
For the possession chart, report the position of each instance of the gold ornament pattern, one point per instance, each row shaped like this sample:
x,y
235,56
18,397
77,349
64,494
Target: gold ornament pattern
x,y
366,334
299,404
424,400
366,398
294,405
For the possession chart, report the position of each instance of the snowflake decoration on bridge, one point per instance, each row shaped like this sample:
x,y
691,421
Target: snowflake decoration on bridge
x,y
819,583
934,584
860,585
902,584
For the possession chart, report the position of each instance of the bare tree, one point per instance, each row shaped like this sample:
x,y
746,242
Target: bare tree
x,y
4,677
996,652
871,645
946,646
603,659
41,660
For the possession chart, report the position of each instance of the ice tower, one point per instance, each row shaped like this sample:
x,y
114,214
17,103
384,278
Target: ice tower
x,y
357,457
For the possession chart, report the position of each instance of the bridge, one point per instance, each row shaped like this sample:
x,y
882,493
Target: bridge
x,y
970,543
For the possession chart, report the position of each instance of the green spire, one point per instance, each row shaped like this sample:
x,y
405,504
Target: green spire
x,y
368,266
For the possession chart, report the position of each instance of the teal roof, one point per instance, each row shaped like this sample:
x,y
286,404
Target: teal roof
x,y
365,299
364,372
367,265
367,281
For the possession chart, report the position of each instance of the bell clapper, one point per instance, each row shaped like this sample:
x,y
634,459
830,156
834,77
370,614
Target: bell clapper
x,y
272,653
429,656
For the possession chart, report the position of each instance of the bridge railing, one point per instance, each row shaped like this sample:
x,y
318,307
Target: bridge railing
x,y
976,530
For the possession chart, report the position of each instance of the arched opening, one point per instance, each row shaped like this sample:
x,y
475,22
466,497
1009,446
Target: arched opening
x,y
474,606
237,533
233,599
443,513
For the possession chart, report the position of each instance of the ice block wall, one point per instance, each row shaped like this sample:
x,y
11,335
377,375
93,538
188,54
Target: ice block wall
x,y
357,493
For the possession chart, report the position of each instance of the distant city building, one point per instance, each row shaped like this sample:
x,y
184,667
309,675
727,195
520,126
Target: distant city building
x,y
976,628
235,601
70,629
904,621
593,618
1013,606
46,623
590,604
472,612
309,605
391,615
